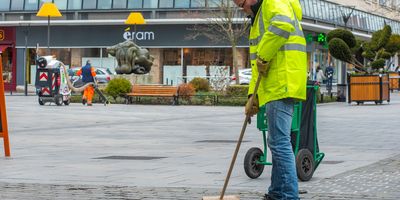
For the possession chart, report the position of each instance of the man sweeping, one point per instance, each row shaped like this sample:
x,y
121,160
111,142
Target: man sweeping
x,y
278,54
88,76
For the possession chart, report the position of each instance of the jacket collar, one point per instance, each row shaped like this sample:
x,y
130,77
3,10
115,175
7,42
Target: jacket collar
x,y
255,9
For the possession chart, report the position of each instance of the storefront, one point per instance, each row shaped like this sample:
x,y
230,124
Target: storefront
x,y
177,59
8,56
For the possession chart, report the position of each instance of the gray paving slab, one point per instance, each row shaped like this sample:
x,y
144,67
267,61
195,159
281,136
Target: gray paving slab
x,y
57,146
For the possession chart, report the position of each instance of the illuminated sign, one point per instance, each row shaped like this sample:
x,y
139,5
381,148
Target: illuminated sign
x,y
321,38
2,35
138,35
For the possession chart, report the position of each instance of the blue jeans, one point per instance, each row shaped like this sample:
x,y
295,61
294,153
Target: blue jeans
x,y
283,177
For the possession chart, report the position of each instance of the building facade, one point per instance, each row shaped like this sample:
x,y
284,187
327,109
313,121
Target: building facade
x,y
88,27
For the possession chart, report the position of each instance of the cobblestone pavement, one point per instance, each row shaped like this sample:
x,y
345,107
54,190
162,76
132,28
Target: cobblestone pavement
x,y
182,152
380,180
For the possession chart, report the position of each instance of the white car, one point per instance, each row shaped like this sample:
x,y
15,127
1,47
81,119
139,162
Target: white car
x,y
244,77
102,75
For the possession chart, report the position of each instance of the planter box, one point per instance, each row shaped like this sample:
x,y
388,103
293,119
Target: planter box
x,y
364,88
394,81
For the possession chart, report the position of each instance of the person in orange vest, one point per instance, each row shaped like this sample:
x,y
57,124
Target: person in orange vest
x,y
88,76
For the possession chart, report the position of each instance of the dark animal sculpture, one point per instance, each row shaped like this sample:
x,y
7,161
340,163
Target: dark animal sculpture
x,y
131,58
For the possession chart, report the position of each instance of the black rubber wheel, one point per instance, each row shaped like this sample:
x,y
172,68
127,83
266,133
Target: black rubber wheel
x,y
59,100
252,169
304,165
67,102
40,100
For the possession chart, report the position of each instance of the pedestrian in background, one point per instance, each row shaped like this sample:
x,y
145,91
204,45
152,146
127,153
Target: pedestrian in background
x,y
329,77
88,76
320,75
278,54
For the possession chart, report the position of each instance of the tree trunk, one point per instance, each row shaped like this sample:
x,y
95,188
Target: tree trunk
x,y
234,63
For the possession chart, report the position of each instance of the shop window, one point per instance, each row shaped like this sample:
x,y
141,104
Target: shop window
x,y
135,4
104,4
74,4
166,3
31,5
61,4
7,65
89,4
198,3
17,4
4,5
172,57
119,4
182,4
214,3
150,4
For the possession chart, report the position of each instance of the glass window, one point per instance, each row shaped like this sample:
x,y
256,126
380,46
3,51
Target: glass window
x,y
61,4
119,4
214,3
17,4
150,4
44,1
104,4
74,4
198,3
4,4
89,4
135,3
31,5
182,3
166,3
99,72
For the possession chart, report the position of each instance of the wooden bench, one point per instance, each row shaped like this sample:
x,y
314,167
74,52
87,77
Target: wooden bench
x,y
153,91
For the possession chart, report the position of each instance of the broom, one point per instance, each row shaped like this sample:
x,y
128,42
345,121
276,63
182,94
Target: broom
x,y
248,117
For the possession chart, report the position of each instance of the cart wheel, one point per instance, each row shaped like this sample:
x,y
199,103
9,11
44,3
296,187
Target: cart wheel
x,y
67,102
252,169
59,100
40,100
304,165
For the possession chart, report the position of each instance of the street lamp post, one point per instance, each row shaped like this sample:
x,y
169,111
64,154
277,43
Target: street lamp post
x,y
48,10
135,18
346,12
26,32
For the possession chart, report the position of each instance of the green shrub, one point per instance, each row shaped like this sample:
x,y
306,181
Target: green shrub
x,y
345,35
117,87
377,64
381,38
186,91
393,45
200,84
340,50
237,90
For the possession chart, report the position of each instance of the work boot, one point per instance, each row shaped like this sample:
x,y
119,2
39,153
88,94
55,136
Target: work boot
x,y
83,101
89,104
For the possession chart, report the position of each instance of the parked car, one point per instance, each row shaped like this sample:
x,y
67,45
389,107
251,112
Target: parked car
x,y
244,77
102,75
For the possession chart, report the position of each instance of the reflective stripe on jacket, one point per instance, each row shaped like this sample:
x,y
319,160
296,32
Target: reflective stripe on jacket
x,y
277,36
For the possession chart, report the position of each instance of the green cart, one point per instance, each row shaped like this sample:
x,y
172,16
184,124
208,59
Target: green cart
x,y
303,138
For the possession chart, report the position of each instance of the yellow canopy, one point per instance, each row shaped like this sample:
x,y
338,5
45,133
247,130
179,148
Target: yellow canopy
x,y
49,9
135,18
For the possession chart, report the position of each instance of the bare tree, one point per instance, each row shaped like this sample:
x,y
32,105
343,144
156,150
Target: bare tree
x,y
225,24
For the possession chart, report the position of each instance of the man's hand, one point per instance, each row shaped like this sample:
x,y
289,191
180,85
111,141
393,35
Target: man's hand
x,y
252,106
262,66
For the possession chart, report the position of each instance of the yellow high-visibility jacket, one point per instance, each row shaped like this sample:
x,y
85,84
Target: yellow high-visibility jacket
x,y
277,36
